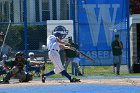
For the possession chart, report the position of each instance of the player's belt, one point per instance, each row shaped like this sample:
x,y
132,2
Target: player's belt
x,y
54,49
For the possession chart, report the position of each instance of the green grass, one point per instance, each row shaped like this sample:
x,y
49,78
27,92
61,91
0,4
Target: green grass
x,y
97,70
88,71
91,71
131,74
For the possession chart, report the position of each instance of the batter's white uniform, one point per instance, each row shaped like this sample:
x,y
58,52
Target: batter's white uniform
x,y
53,47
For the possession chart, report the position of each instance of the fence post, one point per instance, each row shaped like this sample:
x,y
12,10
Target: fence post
x,y
128,32
25,30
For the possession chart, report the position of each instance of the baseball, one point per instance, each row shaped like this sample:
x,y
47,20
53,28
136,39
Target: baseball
x,y
115,30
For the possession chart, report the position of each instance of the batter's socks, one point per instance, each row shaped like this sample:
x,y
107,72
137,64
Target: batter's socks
x,y
49,73
66,74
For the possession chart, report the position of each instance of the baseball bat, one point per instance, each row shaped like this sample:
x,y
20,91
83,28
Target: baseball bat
x,y
84,55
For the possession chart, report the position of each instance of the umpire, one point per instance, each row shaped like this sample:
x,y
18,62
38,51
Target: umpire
x,y
70,56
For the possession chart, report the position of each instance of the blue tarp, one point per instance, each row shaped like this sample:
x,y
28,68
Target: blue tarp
x,y
98,21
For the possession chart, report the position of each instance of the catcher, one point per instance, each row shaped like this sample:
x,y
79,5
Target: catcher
x,y
17,69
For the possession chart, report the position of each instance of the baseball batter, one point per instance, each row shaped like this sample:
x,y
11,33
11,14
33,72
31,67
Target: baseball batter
x,y
53,44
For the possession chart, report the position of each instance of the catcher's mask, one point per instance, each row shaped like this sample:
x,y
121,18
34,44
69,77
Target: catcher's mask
x,y
19,55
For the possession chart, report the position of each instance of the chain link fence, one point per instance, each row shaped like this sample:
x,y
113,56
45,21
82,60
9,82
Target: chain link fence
x,y
36,13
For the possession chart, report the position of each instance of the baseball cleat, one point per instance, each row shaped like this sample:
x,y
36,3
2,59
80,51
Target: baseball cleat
x,y
75,80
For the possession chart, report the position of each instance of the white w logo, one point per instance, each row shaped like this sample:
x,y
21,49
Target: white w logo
x,y
95,21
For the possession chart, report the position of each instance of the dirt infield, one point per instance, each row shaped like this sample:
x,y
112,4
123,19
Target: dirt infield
x,y
115,81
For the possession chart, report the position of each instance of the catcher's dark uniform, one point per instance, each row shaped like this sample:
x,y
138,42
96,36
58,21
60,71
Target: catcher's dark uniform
x,y
17,70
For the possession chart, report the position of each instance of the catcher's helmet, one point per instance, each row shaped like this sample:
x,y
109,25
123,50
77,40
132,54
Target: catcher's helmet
x,y
19,54
57,34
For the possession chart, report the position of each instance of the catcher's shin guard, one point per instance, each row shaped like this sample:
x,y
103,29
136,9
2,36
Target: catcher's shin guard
x,y
29,77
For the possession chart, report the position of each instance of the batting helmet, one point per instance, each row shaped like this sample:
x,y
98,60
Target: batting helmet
x,y
57,34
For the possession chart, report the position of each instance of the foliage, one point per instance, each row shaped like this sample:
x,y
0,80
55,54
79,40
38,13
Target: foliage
x,y
15,36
